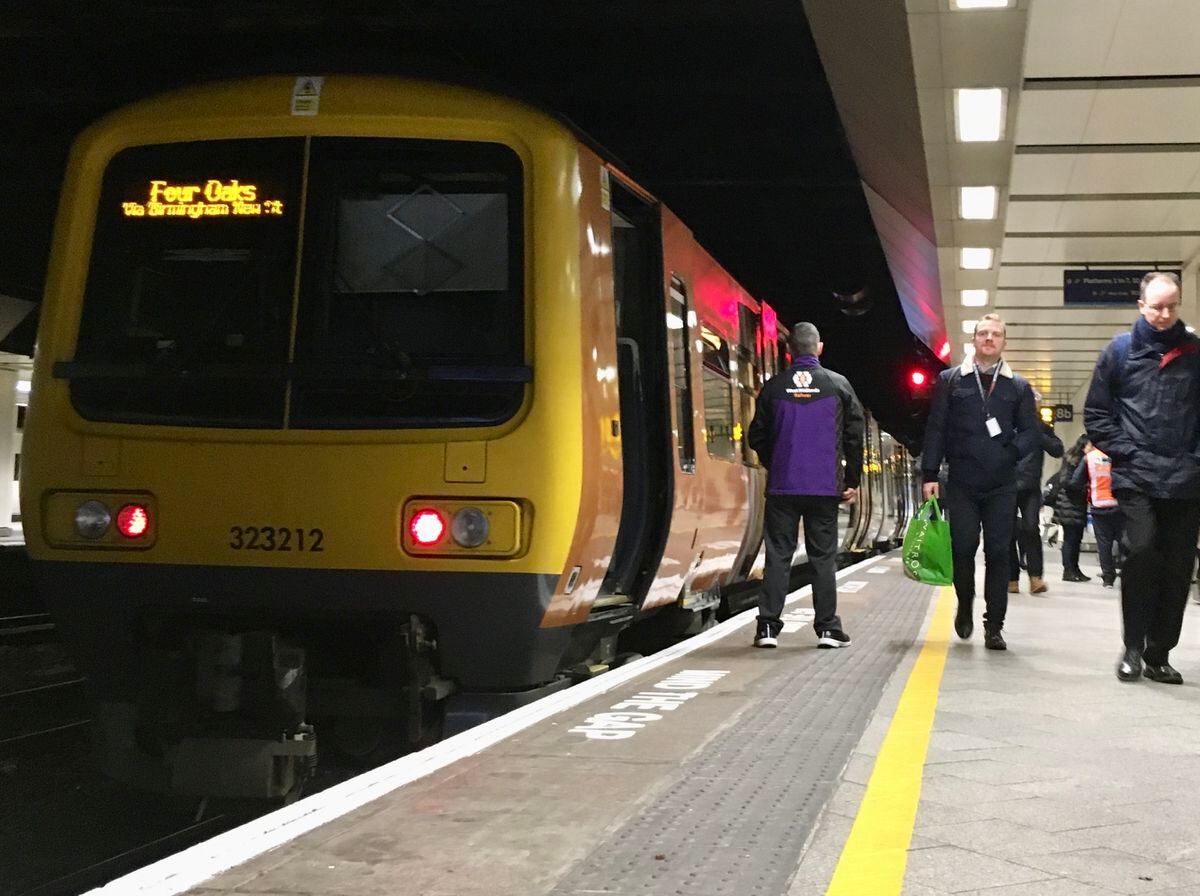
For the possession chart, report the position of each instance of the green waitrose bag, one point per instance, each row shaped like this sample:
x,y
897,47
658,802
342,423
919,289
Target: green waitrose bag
x,y
926,551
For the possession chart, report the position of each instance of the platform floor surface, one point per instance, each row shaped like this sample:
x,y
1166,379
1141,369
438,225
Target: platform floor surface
x,y
1043,775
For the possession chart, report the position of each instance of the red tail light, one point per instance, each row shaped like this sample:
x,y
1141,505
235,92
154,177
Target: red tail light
x,y
133,521
427,527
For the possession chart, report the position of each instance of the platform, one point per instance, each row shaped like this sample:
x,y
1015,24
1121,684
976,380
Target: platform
x,y
911,763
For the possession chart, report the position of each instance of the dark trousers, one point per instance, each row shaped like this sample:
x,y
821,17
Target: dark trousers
x,y
1160,551
1107,525
969,510
1072,537
783,515
1027,530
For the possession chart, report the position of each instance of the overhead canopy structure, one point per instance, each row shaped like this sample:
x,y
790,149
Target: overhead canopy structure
x,y
1096,165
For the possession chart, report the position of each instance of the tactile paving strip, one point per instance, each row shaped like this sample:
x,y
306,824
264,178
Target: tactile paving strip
x,y
736,816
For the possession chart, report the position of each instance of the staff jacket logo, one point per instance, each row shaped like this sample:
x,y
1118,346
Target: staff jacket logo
x,y
802,383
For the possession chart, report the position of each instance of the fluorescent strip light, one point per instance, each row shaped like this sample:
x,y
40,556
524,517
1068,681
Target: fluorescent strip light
x,y
979,4
978,203
979,114
974,298
969,327
975,259
23,386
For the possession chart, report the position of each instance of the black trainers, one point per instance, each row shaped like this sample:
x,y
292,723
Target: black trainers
x,y
764,636
832,638
963,624
993,640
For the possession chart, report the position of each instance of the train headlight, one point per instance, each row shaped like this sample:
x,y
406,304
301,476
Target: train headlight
x,y
92,519
464,528
470,527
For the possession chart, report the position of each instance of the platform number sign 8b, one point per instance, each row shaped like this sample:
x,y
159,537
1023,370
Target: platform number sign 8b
x,y
1064,413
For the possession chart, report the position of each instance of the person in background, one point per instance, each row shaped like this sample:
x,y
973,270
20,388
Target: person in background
x,y
808,432
1095,474
1069,500
982,420
1143,411
1027,530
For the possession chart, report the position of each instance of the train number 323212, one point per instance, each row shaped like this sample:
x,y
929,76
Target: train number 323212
x,y
275,538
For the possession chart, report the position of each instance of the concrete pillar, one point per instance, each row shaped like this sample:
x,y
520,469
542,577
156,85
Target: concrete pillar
x,y
1189,301
8,447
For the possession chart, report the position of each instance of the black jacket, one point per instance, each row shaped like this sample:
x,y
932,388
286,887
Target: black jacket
x,y
1029,468
1143,410
1068,496
956,429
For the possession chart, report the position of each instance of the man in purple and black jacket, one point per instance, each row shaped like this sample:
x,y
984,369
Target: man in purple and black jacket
x,y
808,433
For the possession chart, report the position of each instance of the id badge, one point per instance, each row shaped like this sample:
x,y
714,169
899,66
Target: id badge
x,y
993,427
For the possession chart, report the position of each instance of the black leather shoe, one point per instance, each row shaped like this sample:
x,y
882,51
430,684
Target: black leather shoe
x,y
1130,666
993,640
1074,575
1164,674
963,624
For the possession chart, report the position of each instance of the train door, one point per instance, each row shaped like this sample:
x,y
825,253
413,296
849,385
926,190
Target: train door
x,y
643,385
748,382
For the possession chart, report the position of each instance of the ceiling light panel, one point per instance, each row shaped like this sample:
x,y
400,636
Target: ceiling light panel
x,y
975,259
979,114
974,298
978,203
979,4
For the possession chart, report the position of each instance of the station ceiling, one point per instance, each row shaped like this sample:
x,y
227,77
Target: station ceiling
x,y
722,110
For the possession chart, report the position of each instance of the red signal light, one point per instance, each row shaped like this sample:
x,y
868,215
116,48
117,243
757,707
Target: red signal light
x,y
427,527
133,521
917,377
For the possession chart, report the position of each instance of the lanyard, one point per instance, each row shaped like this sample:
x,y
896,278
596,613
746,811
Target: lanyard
x,y
979,382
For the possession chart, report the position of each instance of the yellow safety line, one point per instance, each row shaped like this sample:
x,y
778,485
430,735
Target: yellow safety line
x,y
876,852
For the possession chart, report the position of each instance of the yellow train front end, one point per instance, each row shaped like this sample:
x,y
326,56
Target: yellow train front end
x,y
306,447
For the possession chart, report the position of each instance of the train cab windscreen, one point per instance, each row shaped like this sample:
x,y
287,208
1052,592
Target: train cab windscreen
x,y
405,308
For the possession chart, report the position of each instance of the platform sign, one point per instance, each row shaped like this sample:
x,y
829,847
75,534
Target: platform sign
x,y
1064,413
1104,286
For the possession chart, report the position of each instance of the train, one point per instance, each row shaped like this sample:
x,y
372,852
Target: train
x,y
366,409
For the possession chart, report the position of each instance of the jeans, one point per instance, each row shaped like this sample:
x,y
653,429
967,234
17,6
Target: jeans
x,y
1107,524
1071,538
1028,531
968,511
1160,552
783,515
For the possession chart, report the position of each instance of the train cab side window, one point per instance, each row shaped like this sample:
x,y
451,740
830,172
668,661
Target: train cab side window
x,y
749,377
678,328
719,435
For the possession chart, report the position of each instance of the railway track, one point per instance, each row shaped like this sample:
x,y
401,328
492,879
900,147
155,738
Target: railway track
x,y
48,710
27,628
98,873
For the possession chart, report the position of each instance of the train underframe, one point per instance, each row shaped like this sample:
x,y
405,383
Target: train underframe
x,y
223,682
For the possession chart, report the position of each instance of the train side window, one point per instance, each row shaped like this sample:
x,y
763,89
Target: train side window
x,y
719,434
678,326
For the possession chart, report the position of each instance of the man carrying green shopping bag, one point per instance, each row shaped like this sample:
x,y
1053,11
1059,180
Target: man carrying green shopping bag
x,y
982,420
